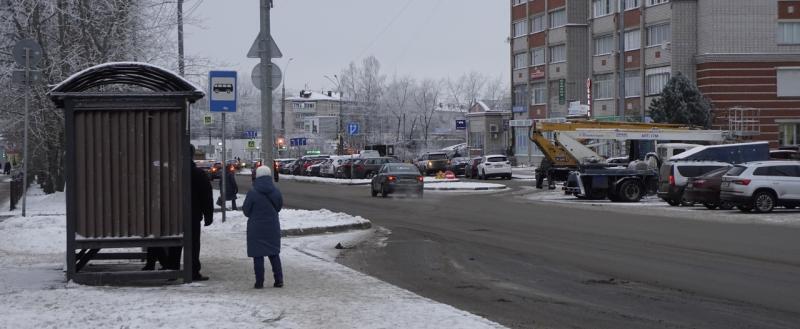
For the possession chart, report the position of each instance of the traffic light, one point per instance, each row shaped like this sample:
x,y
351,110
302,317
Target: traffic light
x,y
281,143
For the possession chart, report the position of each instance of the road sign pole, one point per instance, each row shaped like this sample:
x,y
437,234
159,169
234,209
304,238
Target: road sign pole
x,y
267,143
224,170
25,155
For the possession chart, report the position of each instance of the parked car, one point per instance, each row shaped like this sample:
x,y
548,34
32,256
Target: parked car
x,y
369,167
705,189
397,177
457,165
494,166
471,169
674,175
328,169
432,162
312,168
345,170
762,186
282,164
784,155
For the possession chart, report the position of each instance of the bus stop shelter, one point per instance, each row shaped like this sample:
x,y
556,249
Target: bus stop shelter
x,y
127,169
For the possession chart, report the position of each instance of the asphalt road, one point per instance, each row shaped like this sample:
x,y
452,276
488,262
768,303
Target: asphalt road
x,y
531,264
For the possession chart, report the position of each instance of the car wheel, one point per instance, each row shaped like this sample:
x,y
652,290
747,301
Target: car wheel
x,y
745,208
482,175
630,191
725,205
764,201
673,202
372,190
711,206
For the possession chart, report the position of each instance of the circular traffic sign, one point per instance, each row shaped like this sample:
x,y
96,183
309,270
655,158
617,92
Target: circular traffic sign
x,y
277,76
27,48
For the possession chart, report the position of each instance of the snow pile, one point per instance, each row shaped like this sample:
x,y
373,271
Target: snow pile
x,y
325,180
291,219
429,180
466,186
33,235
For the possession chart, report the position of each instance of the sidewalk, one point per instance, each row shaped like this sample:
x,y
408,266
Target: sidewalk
x,y
319,292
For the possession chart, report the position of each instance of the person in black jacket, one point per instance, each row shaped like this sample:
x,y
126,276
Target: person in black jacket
x,y
231,189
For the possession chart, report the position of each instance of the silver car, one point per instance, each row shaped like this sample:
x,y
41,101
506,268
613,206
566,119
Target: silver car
x,y
762,186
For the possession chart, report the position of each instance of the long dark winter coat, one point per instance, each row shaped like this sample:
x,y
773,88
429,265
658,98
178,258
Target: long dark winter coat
x,y
231,188
261,206
202,198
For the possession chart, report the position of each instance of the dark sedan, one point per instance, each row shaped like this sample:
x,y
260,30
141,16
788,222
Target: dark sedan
x,y
458,165
397,177
705,189
471,169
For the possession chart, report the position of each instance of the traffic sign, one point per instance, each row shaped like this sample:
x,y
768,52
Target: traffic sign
x,y
352,128
277,76
255,52
223,89
208,120
251,145
33,53
461,124
250,134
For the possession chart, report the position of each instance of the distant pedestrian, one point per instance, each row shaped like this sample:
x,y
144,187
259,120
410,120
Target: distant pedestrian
x,y
7,168
231,189
261,206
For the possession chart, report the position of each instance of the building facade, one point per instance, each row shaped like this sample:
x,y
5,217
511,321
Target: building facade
x,y
741,53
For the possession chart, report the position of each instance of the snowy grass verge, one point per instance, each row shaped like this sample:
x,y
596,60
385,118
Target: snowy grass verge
x,y
325,180
464,186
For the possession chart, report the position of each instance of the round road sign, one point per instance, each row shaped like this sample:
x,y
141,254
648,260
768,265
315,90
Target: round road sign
x,y
277,76
34,52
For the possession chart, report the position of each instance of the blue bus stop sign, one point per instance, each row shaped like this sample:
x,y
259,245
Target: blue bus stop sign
x,y
222,89
461,124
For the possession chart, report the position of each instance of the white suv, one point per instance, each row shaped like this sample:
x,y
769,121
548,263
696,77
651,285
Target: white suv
x,y
494,166
762,186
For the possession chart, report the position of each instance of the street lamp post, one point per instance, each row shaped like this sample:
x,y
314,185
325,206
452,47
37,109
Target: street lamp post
x,y
337,82
283,98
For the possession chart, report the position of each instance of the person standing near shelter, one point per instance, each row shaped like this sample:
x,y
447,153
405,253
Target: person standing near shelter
x,y
231,189
261,206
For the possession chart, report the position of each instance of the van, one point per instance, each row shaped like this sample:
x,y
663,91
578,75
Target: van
x,y
674,176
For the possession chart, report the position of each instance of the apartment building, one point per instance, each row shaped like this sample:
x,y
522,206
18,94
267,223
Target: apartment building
x,y
741,53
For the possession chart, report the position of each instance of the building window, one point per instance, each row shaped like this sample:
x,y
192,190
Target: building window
x,y
521,136
633,84
788,81
558,18
633,40
658,35
656,2
603,7
789,134
558,54
603,45
520,60
789,32
520,28
537,24
476,140
603,86
657,78
520,96
539,94
519,2
631,4
537,56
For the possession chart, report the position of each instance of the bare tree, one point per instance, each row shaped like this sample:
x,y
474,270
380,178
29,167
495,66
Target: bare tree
x,y
426,99
396,100
466,89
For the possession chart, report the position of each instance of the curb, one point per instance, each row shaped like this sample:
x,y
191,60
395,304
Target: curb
x,y
467,189
326,183
321,230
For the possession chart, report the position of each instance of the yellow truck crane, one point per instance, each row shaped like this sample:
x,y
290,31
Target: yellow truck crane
x,y
564,153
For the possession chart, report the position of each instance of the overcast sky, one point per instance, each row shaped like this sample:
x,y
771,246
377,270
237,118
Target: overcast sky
x,y
421,38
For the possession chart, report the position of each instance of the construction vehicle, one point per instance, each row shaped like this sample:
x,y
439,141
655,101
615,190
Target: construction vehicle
x,y
567,158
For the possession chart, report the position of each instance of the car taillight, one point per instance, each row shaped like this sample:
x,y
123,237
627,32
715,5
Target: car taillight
x,y
671,180
392,178
744,182
420,179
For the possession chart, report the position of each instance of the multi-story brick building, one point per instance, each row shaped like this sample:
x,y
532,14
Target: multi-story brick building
x,y
741,53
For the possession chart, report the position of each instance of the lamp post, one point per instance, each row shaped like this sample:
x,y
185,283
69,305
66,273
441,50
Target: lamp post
x,y
337,82
283,98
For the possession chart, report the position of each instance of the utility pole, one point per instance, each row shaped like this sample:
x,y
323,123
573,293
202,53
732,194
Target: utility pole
x,y
181,64
621,81
283,98
267,143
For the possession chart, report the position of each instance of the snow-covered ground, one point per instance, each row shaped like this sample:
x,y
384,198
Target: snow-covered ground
x,y
318,293
325,180
652,205
451,186
432,179
523,173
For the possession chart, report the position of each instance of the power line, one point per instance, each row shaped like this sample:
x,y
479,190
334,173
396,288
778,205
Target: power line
x,y
386,28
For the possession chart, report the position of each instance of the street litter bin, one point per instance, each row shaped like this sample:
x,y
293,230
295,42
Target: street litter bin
x,y
128,169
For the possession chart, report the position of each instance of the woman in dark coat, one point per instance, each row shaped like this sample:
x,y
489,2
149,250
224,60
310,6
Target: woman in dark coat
x,y
231,189
261,206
